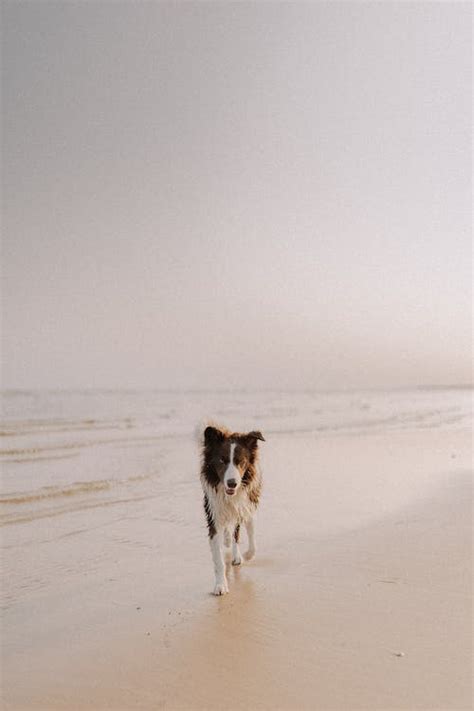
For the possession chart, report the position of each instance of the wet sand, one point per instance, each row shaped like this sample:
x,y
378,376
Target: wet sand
x,y
359,598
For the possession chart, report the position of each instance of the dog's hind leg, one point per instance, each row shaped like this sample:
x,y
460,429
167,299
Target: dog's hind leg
x,y
216,542
236,558
227,538
250,553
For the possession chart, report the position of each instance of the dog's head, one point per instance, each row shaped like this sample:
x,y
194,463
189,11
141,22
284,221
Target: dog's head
x,y
228,456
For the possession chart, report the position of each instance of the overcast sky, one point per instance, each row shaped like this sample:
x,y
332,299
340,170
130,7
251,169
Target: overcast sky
x,y
236,194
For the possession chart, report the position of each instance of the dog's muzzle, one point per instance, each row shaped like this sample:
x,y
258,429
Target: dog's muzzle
x,y
230,487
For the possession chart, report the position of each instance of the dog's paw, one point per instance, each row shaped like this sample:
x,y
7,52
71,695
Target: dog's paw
x,y
249,555
221,589
237,560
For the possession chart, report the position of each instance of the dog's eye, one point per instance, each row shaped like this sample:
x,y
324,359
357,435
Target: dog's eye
x,y
223,460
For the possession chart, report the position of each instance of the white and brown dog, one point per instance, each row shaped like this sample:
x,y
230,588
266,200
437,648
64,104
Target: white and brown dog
x,y
231,482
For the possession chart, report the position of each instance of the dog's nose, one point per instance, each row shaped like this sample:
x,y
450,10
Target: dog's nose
x,y
231,483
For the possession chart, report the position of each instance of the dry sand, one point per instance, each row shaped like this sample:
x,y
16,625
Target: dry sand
x,y
360,596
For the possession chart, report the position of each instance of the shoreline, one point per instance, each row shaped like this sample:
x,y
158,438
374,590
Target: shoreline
x,y
315,622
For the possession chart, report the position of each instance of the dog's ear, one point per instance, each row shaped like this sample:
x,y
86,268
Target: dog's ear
x,y
252,437
212,435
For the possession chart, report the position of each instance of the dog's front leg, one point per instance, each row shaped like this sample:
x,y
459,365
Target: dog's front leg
x,y
217,541
250,526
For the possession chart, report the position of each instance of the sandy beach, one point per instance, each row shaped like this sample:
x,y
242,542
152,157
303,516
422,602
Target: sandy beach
x,y
255,214
359,598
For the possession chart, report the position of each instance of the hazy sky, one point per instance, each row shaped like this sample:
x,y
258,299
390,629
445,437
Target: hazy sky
x,y
236,194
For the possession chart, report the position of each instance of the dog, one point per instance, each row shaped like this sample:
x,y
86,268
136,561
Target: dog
x,y
231,482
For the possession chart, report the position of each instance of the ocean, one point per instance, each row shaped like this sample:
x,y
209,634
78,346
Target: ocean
x,y
66,450
89,475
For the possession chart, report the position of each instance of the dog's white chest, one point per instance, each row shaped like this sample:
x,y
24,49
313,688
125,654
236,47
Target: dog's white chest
x,y
228,510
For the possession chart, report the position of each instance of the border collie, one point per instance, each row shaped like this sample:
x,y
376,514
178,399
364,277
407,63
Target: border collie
x,y
231,482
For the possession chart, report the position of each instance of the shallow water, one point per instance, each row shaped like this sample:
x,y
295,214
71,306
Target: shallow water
x,y
363,540
88,476
63,450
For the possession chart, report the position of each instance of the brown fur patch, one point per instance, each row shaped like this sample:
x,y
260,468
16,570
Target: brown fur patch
x,y
254,494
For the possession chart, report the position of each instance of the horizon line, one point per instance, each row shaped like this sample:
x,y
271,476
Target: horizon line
x,y
144,389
